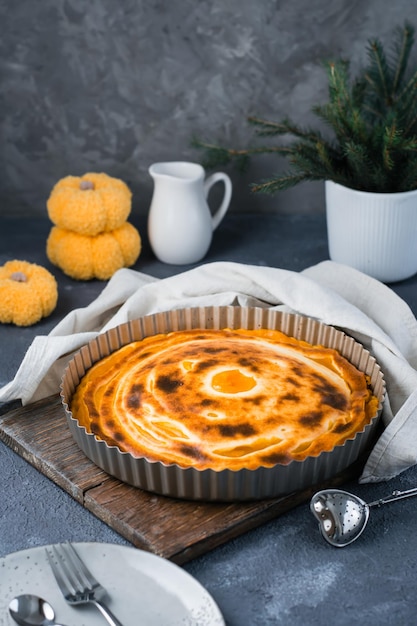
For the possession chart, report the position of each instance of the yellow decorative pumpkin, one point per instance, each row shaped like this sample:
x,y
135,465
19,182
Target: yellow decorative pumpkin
x,y
28,292
89,204
85,257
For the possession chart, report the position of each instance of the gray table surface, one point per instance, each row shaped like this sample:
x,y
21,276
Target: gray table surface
x,y
280,573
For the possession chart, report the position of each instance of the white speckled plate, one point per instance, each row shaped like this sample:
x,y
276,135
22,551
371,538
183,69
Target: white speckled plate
x,y
143,589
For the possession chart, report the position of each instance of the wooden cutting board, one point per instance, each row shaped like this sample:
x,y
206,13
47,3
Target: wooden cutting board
x,y
175,529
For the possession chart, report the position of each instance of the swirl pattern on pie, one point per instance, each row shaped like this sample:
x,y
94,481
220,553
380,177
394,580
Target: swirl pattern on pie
x,y
224,399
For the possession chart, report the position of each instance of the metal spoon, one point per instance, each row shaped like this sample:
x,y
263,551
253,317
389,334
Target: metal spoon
x,y
29,610
343,516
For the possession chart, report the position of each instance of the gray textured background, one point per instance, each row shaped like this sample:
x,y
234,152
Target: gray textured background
x,y
113,86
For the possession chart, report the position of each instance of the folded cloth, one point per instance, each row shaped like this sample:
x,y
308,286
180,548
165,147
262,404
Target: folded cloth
x,y
329,292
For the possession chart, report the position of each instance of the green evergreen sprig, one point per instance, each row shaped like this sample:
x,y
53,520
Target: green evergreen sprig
x,y
372,119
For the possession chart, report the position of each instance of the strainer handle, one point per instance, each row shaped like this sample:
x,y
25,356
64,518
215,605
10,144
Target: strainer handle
x,y
395,495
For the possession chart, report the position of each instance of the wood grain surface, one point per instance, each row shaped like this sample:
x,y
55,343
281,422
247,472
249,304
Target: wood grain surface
x,y
175,529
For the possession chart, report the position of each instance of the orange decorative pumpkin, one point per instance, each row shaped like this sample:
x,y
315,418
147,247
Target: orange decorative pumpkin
x,y
85,257
89,204
28,292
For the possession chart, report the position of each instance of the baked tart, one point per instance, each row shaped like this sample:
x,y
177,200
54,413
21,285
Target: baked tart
x,y
224,399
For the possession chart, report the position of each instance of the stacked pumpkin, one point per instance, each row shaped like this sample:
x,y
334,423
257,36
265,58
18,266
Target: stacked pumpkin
x,y
91,237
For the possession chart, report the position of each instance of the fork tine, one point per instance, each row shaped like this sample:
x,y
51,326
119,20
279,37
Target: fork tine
x,y
66,570
63,583
70,568
80,566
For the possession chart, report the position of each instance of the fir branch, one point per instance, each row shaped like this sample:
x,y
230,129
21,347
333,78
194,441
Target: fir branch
x,y
343,123
357,158
407,102
379,71
358,92
285,127
392,137
268,128
279,183
216,155
409,144
327,155
338,76
327,114
317,161
405,37
379,181
406,97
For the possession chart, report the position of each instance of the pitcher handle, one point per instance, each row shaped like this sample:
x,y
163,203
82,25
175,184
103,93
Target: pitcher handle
x,y
217,217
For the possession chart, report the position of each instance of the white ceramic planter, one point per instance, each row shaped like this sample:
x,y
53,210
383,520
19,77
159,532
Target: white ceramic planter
x,y
375,233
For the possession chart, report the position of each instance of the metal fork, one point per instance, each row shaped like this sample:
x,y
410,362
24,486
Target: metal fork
x,y
77,584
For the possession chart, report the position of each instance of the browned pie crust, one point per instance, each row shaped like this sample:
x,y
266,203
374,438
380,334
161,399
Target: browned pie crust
x,y
224,399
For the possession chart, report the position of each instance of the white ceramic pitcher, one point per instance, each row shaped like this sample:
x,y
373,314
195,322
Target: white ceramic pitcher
x,y
180,223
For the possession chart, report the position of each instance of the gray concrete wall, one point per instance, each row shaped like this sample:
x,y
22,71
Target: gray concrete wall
x,y
115,85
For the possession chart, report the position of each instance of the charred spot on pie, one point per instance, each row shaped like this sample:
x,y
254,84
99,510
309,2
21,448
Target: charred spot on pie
x,y
276,458
257,400
89,402
95,428
289,397
329,394
207,402
119,437
167,384
193,452
293,381
134,396
336,400
245,362
311,419
298,371
213,350
110,424
341,428
235,430
134,401
204,365
109,391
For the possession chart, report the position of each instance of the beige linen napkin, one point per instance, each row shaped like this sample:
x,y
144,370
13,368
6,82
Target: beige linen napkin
x,y
332,293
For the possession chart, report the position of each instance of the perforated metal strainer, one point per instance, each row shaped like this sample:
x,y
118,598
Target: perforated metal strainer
x,y
342,516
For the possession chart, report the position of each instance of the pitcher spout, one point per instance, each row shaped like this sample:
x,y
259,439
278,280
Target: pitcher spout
x,y
177,170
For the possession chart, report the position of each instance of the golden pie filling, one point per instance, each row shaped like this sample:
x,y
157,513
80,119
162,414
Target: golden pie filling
x,y
224,399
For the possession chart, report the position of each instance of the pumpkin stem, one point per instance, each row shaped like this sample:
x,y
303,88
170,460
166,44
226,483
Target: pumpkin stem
x,y
86,184
19,277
